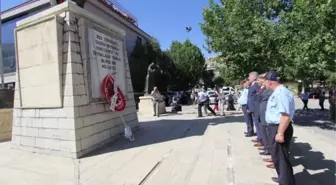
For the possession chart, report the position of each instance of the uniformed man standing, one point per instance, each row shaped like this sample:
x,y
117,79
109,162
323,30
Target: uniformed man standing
x,y
279,115
263,96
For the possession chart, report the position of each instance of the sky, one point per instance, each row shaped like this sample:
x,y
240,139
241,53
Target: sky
x,y
165,20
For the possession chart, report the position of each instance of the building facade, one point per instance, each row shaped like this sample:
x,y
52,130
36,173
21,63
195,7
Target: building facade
x,y
109,10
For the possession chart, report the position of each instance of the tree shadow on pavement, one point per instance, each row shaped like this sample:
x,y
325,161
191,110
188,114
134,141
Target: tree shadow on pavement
x,y
314,118
316,166
163,130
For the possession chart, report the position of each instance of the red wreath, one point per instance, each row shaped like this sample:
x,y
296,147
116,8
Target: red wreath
x,y
108,92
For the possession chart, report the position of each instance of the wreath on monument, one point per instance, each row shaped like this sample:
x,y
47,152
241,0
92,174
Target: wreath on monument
x,y
113,94
116,99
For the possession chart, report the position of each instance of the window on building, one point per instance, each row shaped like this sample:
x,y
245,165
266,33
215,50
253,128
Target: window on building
x,y
8,45
139,40
8,41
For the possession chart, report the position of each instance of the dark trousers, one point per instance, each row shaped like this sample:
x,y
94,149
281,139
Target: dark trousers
x,y
264,136
280,155
321,102
305,104
249,120
230,106
257,126
206,105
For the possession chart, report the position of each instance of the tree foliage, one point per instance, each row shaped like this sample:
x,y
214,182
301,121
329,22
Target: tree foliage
x,y
295,38
138,63
140,58
188,62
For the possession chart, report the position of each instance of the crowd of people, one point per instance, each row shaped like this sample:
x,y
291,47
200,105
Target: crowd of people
x,y
268,108
305,99
222,101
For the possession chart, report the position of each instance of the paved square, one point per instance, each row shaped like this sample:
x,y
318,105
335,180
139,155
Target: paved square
x,y
170,150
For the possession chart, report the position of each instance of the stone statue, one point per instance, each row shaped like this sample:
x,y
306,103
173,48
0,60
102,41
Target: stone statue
x,y
153,75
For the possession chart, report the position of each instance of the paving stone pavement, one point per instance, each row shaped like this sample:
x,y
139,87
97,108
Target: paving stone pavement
x,y
174,150
315,120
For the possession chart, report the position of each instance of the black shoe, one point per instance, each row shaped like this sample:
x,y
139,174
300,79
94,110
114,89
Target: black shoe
x,y
275,179
264,153
249,135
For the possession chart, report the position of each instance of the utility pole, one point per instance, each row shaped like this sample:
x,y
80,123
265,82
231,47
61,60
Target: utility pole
x,y
1,57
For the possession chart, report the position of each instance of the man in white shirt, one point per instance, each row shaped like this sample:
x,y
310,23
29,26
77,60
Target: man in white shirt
x,y
203,100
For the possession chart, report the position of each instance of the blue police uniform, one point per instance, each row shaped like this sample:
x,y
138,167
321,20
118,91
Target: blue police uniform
x,y
280,102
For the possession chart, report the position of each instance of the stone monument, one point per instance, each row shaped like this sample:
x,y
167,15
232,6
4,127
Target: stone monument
x,y
154,74
63,54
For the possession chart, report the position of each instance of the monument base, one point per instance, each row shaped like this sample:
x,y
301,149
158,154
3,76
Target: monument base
x,y
146,106
60,110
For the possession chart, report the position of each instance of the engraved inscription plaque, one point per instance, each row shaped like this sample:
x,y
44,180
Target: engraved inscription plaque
x,y
106,57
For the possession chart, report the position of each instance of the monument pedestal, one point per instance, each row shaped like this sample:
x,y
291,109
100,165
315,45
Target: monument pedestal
x,y
63,54
146,106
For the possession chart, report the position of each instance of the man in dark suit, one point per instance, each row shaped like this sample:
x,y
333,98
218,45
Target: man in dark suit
x,y
263,95
253,105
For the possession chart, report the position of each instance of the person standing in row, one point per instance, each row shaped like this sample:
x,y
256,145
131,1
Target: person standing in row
x,y
264,95
252,104
243,102
279,115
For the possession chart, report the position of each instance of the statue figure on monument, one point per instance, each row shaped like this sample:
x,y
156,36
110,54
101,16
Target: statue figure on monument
x,y
153,72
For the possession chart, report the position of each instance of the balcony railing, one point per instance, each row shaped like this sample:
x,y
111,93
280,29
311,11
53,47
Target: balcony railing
x,y
119,9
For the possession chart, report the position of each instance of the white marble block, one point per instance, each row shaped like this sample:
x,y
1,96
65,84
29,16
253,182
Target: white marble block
x,y
63,54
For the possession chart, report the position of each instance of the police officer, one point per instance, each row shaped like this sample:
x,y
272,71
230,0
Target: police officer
x,y
279,115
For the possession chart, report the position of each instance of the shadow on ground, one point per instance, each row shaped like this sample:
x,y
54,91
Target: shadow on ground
x,y
314,118
162,130
322,169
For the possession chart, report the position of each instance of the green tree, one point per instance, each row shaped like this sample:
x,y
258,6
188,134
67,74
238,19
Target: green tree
x,y
140,58
309,39
295,38
188,62
138,64
244,34
208,78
